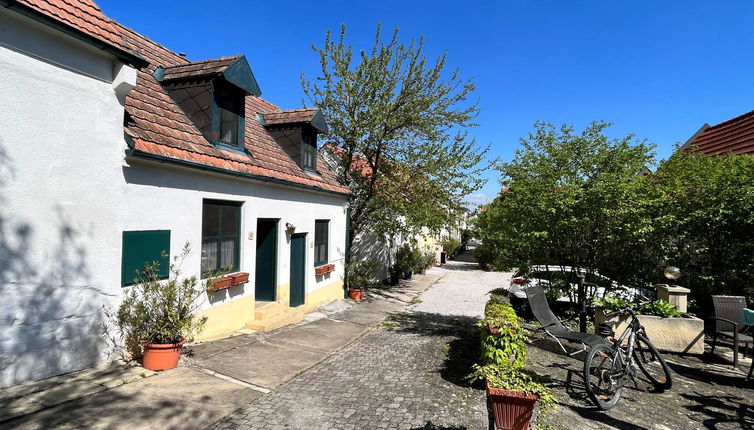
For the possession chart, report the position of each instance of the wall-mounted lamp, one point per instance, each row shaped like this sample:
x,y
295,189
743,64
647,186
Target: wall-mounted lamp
x,y
290,228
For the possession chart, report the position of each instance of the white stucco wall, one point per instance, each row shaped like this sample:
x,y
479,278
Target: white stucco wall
x,y
161,196
60,134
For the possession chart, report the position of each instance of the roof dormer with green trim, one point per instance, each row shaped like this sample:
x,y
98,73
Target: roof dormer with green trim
x,y
212,94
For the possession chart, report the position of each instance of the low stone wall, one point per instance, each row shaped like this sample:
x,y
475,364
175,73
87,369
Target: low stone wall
x,y
682,335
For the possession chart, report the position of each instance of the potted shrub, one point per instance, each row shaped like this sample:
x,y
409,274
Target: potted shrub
x,y
408,259
426,261
360,275
513,394
503,341
160,314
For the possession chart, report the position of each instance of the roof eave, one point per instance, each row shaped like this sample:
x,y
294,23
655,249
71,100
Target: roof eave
x,y
162,159
127,57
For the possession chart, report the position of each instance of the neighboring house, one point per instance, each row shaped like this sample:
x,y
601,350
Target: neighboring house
x,y
112,149
732,136
368,246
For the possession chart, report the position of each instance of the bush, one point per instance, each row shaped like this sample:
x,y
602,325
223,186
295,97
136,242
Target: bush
x,y
451,246
427,259
485,255
162,311
361,275
407,258
506,347
659,308
499,296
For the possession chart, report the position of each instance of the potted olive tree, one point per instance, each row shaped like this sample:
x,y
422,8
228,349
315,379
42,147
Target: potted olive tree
x,y
160,314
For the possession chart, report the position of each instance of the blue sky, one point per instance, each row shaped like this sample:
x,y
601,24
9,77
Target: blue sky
x,y
656,69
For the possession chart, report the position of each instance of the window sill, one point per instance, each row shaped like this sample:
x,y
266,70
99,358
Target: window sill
x,y
321,270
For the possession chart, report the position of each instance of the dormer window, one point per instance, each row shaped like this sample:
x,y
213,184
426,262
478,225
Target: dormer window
x,y
212,94
309,150
228,118
296,133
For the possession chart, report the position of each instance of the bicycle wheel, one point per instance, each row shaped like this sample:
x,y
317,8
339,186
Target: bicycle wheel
x,y
604,376
651,363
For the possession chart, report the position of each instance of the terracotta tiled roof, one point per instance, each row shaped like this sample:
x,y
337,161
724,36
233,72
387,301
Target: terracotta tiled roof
x,y
82,15
289,116
735,135
199,68
158,127
358,164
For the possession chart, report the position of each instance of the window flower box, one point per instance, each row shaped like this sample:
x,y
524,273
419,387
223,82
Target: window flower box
x,y
321,270
239,278
220,284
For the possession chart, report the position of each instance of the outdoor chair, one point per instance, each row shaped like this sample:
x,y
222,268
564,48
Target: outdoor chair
x,y
729,323
552,325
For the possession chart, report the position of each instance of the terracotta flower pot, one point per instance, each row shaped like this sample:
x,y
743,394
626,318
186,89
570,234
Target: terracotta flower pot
x,y
355,294
512,409
161,356
492,330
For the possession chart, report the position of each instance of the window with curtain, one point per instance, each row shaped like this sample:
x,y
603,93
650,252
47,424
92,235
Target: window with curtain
x,y
309,150
321,233
230,107
221,224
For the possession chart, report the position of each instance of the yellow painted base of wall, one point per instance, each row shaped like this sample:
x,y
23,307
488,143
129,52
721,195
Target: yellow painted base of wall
x,y
326,294
225,319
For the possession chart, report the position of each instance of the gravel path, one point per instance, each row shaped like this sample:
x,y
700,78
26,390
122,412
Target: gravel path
x,y
462,292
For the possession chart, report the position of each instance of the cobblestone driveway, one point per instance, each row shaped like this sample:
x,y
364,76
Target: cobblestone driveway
x,y
405,374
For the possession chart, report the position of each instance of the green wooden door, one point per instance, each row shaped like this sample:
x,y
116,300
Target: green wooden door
x,y
298,269
266,267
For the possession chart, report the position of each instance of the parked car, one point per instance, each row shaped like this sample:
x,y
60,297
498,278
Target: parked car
x,y
561,283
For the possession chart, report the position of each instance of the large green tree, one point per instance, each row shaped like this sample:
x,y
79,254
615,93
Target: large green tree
x,y
574,199
705,217
400,122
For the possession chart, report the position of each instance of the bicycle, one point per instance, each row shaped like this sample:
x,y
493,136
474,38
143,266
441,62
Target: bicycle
x,y
608,366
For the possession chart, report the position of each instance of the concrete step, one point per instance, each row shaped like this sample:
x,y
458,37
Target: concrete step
x,y
291,316
269,310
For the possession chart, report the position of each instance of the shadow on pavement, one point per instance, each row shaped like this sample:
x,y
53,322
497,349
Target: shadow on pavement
x,y
462,347
721,409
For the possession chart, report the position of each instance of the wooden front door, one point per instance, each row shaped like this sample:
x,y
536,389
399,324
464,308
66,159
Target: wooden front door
x,y
298,269
266,267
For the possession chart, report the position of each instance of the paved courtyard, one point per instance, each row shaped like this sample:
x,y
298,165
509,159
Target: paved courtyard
x,y
407,373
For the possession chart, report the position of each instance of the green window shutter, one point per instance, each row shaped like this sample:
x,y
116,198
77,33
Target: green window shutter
x,y
140,247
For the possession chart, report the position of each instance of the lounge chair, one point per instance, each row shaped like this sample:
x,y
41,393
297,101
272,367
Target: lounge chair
x,y
729,323
552,325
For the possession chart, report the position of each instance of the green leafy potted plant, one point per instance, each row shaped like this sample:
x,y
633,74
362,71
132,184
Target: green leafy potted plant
x,y
512,391
160,314
360,275
513,394
407,258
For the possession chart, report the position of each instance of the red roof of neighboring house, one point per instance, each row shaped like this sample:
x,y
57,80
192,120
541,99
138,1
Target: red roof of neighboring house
x,y
735,135
81,15
358,164
159,127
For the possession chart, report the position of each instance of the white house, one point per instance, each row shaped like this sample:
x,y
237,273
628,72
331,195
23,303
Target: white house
x,y
112,149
